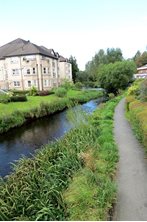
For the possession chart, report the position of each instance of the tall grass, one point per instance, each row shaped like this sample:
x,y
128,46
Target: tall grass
x,y
68,179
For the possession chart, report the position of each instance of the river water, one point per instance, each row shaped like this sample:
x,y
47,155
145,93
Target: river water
x,y
25,140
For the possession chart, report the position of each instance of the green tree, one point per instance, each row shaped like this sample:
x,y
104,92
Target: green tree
x,y
115,76
141,60
114,55
75,68
82,76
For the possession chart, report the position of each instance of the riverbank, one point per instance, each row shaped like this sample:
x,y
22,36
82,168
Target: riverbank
x,y
15,114
69,179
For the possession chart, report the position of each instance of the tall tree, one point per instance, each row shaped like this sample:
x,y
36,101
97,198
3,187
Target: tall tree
x,y
75,68
114,55
141,59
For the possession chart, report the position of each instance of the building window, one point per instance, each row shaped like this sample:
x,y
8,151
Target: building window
x,y
34,70
54,75
28,71
35,82
44,70
16,83
15,72
46,82
29,83
53,64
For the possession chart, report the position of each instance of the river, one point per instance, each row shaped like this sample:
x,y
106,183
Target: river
x,y
25,140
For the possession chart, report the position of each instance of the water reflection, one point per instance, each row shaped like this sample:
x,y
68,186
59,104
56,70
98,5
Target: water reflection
x,y
25,140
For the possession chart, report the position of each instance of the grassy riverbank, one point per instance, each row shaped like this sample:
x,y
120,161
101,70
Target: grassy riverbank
x,y
71,179
15,114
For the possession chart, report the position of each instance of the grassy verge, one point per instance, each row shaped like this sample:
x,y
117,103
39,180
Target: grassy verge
x,y
92,190
137,115
16,114
69,179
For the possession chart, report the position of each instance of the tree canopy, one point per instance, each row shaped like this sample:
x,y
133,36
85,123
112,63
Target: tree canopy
x,y
110,56
140,58
115,76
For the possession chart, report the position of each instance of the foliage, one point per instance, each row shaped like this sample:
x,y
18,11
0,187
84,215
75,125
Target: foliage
x,y
78,85
110,56
19,92
134,89
4,98
60,92
34,190
75,68
115,76
20,98
33,91
143,90
137,114
67,85
44,93
140,59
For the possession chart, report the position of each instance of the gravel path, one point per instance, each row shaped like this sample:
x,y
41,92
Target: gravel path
x,y
132,172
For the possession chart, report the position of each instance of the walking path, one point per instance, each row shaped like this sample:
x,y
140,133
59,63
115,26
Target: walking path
x,y
132,172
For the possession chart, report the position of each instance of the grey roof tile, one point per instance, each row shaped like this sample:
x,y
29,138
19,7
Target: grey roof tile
x,y
20,47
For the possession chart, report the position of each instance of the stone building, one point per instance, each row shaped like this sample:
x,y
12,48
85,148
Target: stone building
x,y
24,64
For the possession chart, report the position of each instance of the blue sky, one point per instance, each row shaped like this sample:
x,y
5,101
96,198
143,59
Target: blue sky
x,y
76,27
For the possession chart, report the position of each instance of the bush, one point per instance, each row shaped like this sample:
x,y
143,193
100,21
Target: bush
x,y
60,92
67,85
111,95
44,93
79,85
4,98
33,91
20,98
143,91
19,92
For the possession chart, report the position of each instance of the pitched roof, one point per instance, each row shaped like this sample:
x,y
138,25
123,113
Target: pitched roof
x,y
142,67
20,47
62,59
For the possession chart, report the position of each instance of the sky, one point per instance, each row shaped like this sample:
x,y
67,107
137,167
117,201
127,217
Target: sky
x,y
76,27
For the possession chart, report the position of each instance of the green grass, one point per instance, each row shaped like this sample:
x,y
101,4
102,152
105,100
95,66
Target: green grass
x,y
92,190
16,113
71,179
34,101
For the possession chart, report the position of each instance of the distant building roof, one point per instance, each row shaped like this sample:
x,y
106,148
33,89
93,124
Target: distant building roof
x,y
142,67
62,59
20,47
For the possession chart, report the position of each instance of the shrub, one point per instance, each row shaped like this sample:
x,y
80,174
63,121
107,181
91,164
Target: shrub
x,y
20,98
33,91
67,85
19,92
111,95
143,91
78,85
44,93
4,98
60,92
